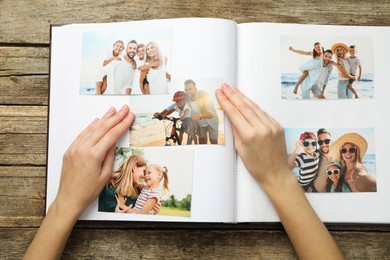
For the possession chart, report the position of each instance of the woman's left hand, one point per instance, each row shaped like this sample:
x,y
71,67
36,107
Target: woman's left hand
x,y
87,164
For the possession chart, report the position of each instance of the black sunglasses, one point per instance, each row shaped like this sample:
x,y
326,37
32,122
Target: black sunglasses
x,y
336,171
326,141
350,150
306,143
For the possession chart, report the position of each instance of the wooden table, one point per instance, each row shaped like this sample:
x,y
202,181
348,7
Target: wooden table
x,y
24,67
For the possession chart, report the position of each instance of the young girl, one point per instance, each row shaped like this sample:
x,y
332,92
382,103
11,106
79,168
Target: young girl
x,y
115,54
316,53
151,192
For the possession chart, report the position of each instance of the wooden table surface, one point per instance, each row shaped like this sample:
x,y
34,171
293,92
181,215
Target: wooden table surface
x,y
24,67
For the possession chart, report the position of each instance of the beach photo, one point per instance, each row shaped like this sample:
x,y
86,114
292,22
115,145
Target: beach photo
x,y
190,115
326,67
149,181
332,159
126,62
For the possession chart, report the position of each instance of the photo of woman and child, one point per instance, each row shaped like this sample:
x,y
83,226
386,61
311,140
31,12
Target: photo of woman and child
x,y
139,187
323,165
317,79
138,67
188,116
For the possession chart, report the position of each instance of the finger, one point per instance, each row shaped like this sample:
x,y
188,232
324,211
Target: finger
x,y
85,133
110,137
237,119
249,109
104,125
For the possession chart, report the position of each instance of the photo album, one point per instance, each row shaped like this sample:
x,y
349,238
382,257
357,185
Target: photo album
x,y
326,85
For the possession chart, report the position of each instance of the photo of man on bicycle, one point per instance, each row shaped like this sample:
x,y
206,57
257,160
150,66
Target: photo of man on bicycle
x,y
203,112
185,114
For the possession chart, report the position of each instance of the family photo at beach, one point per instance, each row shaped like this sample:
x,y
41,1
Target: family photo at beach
x,y
326,67
126,63
332,160
190,116
148,182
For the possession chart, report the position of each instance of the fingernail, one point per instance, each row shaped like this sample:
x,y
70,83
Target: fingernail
x,y
110,112
124,109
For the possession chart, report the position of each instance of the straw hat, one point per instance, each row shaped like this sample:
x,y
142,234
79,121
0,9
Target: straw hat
x,y
353,138
334,47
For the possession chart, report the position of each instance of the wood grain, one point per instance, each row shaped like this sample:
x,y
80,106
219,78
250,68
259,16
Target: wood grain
x,y
29,21
24,78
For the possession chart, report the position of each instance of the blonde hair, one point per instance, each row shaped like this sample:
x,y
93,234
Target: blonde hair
x,y
157,55
122,178
164,172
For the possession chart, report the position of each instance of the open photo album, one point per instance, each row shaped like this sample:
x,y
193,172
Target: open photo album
x,y
326,85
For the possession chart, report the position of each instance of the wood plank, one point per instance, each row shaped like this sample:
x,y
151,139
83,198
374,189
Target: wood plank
x,y
24,60
24,90
22,171
23,119
29,21
23,149
191,244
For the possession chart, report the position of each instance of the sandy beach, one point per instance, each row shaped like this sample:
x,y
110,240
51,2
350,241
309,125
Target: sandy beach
x,y
154,134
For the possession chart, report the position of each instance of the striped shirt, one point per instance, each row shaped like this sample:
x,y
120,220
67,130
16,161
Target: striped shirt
x,y
145,195
308,166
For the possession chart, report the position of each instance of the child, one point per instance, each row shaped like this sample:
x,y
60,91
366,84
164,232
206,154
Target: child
x,y
140,61
317,54
185,114
336,182
307,162
354,63
151,192
115,54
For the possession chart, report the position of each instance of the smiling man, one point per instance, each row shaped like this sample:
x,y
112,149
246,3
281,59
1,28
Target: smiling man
x,y
317,77
324,141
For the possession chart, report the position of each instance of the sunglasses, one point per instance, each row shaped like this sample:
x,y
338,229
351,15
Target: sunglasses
x,y
350,150
306,143
326,141
336,171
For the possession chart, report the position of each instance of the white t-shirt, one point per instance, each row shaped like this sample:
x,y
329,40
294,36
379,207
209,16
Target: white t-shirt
x,y
120,77
179,110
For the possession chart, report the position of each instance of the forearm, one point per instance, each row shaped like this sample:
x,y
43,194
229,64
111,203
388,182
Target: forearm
x,y
50,240
308,234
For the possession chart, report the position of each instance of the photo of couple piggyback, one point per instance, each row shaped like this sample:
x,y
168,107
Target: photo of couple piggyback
x,y
322,164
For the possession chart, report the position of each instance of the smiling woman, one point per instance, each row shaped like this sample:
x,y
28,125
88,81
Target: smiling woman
x,y
349,150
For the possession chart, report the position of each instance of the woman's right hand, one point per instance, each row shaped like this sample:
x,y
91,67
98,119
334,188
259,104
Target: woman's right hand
x,y
259,139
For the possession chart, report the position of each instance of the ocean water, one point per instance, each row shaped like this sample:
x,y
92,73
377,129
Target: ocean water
x,y
364,88
143,120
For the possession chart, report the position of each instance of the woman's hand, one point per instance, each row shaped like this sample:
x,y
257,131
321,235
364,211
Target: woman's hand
x,y
259,139
86,168
87,164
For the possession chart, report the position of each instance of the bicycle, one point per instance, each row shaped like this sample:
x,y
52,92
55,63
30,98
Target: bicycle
x,y
173,129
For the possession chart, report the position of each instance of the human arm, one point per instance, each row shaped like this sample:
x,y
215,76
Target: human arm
x,y
144,89
87,166
293,155
300,51
360,72
148,206
344,72
254,128
111,59
205,115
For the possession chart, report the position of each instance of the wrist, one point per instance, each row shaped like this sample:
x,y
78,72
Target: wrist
x,y
66,213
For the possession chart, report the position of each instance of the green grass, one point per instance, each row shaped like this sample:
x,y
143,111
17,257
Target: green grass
x,y
168,211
